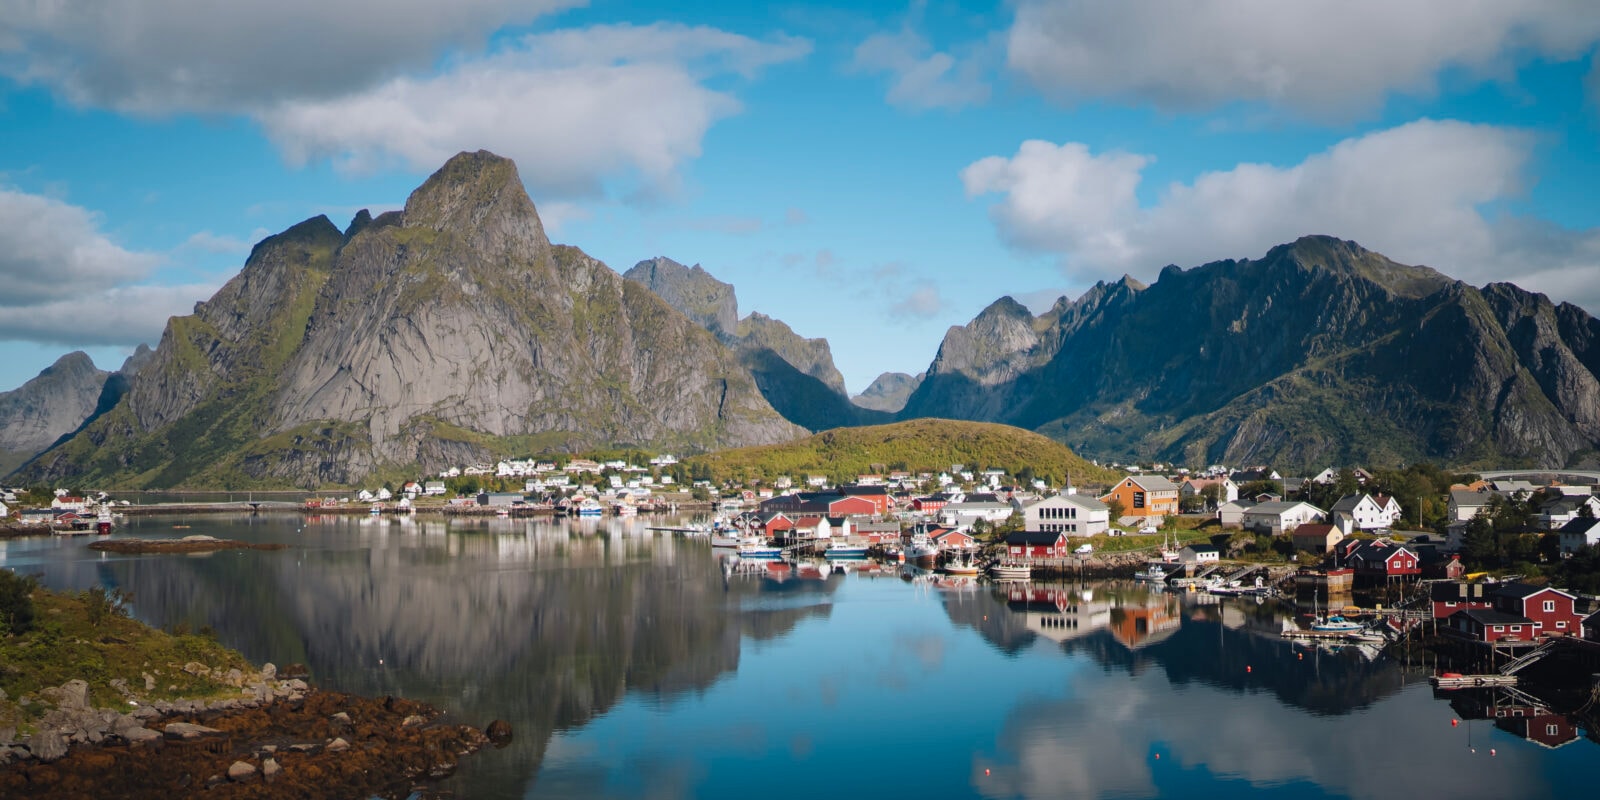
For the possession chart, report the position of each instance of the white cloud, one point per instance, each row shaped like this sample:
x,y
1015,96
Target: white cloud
x,y
922,302
920,77
1415,193
208,242
569,107
1320,58
51,250
162,56
119,315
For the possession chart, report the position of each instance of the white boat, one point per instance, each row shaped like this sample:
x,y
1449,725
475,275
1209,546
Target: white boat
x,y
842,550
624,509
1151,574
1011,572
589,508
759,551
961,565
1337,624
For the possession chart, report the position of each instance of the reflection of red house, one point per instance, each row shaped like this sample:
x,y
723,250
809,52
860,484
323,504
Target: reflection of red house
x,y
1538,726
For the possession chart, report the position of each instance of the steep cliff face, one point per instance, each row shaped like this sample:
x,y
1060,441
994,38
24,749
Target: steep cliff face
x,y
1320,352
888,392
710,303
54,403
795,374
447,332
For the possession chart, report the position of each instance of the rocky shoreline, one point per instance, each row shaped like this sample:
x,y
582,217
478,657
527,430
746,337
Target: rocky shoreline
x,y
279,738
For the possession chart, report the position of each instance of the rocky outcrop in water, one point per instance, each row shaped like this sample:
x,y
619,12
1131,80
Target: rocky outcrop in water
x,y
452,331
1320,352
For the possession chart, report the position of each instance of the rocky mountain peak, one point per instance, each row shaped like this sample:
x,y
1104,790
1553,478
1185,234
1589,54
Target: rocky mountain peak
x,y
1347,259
709,302
888,392
47,407
479,195
300,238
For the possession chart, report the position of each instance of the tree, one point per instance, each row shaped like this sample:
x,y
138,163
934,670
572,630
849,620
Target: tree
x,y
1346,483
1212,492
16,602
1480,547
1118,508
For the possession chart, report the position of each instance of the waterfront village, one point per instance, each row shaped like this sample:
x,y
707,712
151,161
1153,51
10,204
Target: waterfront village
x,y
1486,556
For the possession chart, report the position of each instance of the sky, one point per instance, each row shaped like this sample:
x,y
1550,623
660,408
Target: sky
x,y
868,172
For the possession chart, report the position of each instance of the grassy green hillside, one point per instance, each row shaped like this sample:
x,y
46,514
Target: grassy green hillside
x,y
921,445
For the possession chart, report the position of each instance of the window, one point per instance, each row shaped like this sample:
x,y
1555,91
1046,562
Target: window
x,y
1499,629
1561,624
1549,606
1552,730
1138,499
1449,605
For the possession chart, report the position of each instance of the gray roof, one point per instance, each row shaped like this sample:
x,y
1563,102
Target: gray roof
x,y
1278,507
1079,500
1462,497
1348,502
1154,483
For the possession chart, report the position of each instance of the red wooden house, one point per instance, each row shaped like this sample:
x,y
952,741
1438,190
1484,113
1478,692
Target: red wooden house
x,y
772,524
931,503
1381,561
877,495
954,540
1037,544
1551,610
1449,597
1490,625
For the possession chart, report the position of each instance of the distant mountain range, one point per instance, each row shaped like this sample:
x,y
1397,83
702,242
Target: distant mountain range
x,y
454,331
1319,353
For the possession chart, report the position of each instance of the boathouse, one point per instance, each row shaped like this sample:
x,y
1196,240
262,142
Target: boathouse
x,y
1490,626
1448,597
1037,544
1551,610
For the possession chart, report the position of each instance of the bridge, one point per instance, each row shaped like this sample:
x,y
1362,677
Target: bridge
x,y
1567,475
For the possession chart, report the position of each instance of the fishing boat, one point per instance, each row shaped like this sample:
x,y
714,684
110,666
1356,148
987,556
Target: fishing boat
x,y
1011,572
922,550
588,507
1151,574
961,566
624,509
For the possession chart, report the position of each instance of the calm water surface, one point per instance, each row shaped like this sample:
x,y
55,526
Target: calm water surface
x,y
632,666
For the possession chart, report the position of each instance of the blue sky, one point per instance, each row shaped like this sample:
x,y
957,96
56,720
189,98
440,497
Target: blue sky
x,y
868,172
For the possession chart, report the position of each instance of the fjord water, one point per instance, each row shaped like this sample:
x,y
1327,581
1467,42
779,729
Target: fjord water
x,y
630,665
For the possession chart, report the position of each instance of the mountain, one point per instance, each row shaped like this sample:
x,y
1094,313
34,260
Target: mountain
x,y
795,374
710,303
1320,352
450,332
922,445
889,392
37,413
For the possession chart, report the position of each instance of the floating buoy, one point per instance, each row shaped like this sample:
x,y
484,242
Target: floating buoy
x,y
1247,669
986,772
1455,722
1158,756
1491,751
1300,656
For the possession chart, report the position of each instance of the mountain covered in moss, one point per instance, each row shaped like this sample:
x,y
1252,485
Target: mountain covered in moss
x,y
1321,352
450,332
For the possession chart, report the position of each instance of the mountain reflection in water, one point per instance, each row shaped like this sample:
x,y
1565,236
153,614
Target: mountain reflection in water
x,y
634,665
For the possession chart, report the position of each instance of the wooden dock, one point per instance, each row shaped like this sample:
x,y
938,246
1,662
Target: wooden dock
x,y
1471,681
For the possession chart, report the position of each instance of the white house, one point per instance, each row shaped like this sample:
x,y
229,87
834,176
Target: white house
x,y
1072,514
434,488
4,512
385,494
1281,516
1227,490
1578,534
364,496
1232,513
1199,554
1364,512
1557,513
1465,503
965,513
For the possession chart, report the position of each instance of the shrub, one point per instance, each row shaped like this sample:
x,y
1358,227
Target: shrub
x,y
16,602
100,604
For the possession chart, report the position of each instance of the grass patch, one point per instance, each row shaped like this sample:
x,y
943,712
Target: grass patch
x,y
87,636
